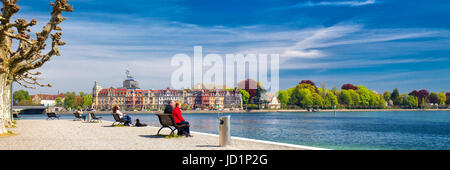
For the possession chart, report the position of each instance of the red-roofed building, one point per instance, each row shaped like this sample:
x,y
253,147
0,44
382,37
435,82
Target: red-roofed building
x,y
46,99
137,99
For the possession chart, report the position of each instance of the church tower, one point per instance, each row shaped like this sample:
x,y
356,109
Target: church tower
x,y
95,90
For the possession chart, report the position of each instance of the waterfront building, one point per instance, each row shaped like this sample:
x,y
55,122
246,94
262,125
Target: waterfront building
x,y
233,99
130,97
149,100
271,102
164,96
46,99
216,98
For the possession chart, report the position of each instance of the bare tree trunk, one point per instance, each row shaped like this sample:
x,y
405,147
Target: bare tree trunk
x,y
5,104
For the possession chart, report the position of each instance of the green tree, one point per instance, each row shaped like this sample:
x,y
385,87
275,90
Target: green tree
x,y
395,97
70,100
306,86
283,96
59,101
434,98
317,100
260,90
375,99
20,95
356,98
331,99
301,97
307,98
411,101
382,102
387,96
346,98
27,102
442,98
365,95
245,96
87,101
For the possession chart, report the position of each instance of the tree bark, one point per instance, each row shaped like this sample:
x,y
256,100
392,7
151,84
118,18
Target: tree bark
x,y
5,104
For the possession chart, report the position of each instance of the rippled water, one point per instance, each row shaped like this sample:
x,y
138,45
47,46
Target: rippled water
x,y
348,130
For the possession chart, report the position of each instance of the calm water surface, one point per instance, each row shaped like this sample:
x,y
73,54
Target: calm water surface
x,y
348,130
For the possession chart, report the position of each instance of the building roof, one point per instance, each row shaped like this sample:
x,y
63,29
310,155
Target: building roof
x,y
48,96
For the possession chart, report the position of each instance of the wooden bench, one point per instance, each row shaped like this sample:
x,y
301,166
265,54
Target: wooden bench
x,y
167,121
118,120
16,116
52,116
95,118
78,116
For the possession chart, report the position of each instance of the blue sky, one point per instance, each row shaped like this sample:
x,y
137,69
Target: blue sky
x,y
382,44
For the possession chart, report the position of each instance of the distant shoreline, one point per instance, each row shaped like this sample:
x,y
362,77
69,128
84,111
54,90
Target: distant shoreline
x,y
264,111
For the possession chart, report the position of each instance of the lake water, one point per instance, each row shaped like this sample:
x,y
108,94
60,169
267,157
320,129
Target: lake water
x,y
424,130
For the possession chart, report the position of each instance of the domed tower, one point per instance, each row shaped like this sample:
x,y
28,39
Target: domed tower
x,y
95,90
130,83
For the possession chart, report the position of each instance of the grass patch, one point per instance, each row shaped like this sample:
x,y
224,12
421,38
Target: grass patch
x,y
94,122
119,125
169,136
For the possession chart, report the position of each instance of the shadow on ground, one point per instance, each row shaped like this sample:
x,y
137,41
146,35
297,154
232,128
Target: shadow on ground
x,y
207,146
159,136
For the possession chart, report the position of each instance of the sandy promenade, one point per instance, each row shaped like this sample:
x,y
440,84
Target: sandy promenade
x,y
70,135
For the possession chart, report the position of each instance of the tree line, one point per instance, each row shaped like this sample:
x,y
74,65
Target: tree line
x,y
71,100
307,95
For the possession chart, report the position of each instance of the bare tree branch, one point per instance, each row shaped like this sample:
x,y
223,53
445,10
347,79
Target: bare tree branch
x,y
26,86
18,36
28,55
31,80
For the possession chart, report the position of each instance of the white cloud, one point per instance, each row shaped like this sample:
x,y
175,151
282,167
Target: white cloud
x,y
355,63
308,4
335,3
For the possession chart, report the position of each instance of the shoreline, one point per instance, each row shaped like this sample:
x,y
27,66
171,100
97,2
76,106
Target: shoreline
x,y
265,111
76,135
265,141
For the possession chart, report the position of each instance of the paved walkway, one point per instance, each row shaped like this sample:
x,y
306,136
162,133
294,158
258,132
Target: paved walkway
x,y
68,135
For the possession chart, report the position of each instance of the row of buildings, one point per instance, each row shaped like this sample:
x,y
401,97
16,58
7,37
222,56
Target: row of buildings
x,y
131,97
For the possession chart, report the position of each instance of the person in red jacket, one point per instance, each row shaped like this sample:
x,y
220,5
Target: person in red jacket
x,y
180,121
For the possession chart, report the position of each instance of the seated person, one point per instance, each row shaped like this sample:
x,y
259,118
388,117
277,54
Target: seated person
x,y
169,107
180,121
79,111
123,116
139,124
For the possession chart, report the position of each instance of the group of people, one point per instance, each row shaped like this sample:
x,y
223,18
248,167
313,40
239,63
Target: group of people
x,y
116,110
172,108
127,118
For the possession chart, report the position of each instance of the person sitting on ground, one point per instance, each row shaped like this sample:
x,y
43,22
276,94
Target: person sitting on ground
x,y
79,111
139,124
169,107
180,121
123,116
